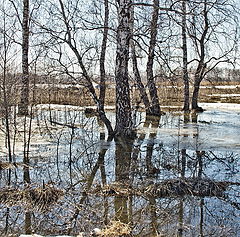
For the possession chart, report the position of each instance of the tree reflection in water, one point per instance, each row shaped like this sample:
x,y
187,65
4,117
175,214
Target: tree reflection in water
x,y
125,180
123,153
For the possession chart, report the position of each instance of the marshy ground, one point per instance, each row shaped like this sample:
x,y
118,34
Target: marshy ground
x,y
179,177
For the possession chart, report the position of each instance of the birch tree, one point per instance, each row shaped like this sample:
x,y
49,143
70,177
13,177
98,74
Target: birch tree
x,y
151,100
6,79
67,28
124,123
155,107
70,27
24,97
185,57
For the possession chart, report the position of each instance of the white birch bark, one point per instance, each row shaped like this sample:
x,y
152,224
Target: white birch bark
x,y
124,123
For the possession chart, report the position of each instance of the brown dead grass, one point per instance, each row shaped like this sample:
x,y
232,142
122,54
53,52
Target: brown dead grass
x,y
169,94
31,197
8,165
115,189
169,188
116,229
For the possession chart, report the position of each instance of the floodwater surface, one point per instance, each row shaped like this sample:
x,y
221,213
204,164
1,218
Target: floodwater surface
x,y
179,177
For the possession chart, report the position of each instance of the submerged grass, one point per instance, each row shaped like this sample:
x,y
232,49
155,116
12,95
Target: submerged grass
x,y
12,165
31,197
170,188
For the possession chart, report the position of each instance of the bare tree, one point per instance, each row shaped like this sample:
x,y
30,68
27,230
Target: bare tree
x,y
155,107
201,67
8,83
212,31
103,56
70,31
136,72
69,36
150,101
6,45
185,57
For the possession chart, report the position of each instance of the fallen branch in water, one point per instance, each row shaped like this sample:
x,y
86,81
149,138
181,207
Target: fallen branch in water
x,y
63,124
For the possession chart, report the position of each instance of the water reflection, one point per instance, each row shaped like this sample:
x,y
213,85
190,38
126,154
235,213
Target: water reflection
x,y
123,151
158,184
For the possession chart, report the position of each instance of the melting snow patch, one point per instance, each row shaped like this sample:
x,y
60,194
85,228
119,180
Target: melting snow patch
x,y
225,95
220,106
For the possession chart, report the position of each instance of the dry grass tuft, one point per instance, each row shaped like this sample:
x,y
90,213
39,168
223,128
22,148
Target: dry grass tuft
x,y
10,165
115,229
42,198
6,165
10,196
169,188
193,187
115,189
31,197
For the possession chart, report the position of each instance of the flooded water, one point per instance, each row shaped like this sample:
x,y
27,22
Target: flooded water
x,y
179,177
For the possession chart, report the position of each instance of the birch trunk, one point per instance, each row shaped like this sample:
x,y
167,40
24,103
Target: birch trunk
x,y
137,76
124,123
24,96
155,107
185,56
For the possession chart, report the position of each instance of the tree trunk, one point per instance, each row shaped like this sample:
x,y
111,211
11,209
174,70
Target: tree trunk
x,y
140,86
24,97
199,74
4,91
195,95
123,152
185,54
101,100
102,58
69,40
137,77
155,107
197,81
124,123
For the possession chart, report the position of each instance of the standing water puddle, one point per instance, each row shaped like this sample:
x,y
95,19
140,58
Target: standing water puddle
x,y
179,177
